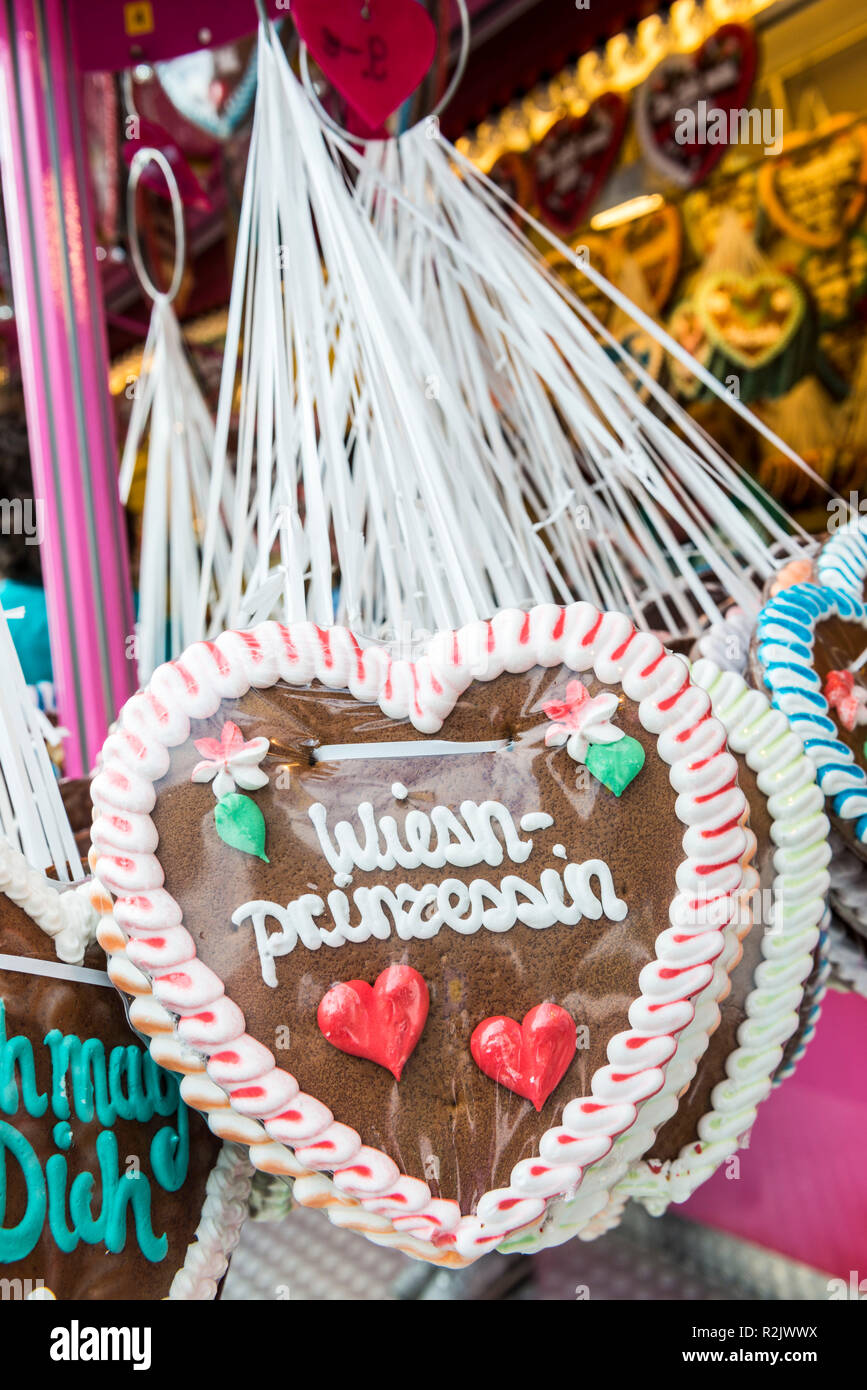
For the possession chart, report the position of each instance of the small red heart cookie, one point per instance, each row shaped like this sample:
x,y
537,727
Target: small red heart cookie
x,y
530,1057
382,1023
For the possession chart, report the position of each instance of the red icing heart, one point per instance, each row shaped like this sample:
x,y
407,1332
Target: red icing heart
x,y
382,1023
375,63
530,1058
720,73
575,158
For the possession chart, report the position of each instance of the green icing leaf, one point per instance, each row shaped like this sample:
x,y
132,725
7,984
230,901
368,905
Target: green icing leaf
x,y
241,824
616,764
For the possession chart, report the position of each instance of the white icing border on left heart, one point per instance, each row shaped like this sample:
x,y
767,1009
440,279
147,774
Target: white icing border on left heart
x,y
709,804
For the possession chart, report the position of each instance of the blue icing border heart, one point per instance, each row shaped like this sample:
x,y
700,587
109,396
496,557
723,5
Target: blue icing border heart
x,y
842,563
786,631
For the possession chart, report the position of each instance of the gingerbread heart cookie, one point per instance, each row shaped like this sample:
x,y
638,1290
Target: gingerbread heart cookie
x,y
777,980
573,160
110,1188
816,191
809,652
751,318
381,947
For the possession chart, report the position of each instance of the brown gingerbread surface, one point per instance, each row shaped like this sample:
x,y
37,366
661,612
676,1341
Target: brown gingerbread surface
x,y
34,1006
445,1116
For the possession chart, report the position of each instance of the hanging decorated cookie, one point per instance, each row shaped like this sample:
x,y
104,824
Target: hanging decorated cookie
x,y
686,111
777,982
512,173
414,995
655,243
111,1188
809,651
816,190
573,160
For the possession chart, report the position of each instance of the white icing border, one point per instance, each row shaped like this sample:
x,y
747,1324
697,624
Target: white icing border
x,y
65,912
224,1211
800,831
244,1091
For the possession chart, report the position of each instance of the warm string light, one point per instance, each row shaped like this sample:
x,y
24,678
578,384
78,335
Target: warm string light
x,y
624,64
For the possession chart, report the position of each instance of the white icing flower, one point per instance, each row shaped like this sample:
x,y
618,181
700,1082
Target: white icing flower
x,y
581,719
230,760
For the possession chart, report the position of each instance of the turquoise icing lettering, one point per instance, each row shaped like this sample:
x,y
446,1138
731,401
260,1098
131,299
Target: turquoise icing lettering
x,y
18,1051
16,1242
81,1066
170,1153
128,1192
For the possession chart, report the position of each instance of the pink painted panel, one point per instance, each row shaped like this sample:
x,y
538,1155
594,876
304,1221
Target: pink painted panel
x,y
802,1189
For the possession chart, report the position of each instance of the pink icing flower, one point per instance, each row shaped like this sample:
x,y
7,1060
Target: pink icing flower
x,y
581,719
849,700
230,760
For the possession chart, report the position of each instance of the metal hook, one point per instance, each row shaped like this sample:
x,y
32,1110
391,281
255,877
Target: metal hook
x,y
141,159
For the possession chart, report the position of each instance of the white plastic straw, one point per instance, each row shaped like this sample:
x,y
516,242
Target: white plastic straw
x,y
32,815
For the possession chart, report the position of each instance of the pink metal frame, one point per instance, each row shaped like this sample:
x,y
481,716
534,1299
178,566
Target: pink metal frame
x,y
64,365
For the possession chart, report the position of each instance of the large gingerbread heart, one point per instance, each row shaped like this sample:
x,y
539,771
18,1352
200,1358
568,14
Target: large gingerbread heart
x,y
816,190
752,318
541,809
110,1187
718,77
572,162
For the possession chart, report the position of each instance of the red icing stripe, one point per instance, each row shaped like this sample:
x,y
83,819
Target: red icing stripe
x,y
560,624
325,644
491,642
253,647
712,868
359,656
159,709
648,670
230,1058
288,644
709,796
135,743
187,677
621,650
524,635
456,651
687,733
703,762
673,699
220,661
249,1092
176,978
589,636
721,829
